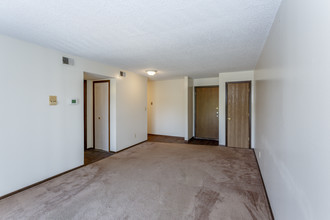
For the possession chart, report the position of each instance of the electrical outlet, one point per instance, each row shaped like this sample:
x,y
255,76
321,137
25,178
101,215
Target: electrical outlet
x,y
135,135
259,154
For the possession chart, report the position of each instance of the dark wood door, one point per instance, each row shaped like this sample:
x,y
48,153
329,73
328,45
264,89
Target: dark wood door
x,y
207,112
238,114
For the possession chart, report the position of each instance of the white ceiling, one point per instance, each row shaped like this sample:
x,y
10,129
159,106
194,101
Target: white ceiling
x,y
198,38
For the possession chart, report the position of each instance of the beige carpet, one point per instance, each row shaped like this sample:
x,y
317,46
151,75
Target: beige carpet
x,y
151,181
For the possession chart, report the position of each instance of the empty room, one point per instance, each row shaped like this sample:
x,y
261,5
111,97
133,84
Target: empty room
x,y
176,109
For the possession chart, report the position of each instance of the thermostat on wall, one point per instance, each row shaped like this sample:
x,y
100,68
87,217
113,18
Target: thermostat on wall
x,y
74,101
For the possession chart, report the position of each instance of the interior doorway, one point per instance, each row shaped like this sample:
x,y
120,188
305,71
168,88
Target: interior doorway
x,y
96,117
207,112
238,114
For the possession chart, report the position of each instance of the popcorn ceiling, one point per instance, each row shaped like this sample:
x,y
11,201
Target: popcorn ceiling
x,y
198,38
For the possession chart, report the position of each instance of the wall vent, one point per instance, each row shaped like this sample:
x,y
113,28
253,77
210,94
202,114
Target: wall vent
x,y
67,61
122,74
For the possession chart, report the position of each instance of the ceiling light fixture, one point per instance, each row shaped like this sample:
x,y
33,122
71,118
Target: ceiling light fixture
x,y
151,72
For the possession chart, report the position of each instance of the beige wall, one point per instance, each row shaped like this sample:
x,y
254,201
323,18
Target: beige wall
x,y
211,81
293,105
167,115
131,110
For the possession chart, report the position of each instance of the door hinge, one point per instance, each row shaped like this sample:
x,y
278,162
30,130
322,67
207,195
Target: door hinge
x,y
248,139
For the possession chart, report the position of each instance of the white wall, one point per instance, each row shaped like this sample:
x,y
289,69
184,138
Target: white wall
x,y
212,81
293,111
234,77
131,110
38,141
167,114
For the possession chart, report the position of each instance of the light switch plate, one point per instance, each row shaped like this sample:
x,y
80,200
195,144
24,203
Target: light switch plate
x,y
52,100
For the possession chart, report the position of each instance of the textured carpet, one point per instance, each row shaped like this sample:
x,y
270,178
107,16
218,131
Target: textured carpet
x,y
151,181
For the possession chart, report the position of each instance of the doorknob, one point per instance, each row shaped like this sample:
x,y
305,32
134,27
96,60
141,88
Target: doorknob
x,y
99,117
229,119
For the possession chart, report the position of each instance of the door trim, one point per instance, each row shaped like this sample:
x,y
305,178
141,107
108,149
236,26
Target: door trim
x,y
195,106
101,81
85,114
226,96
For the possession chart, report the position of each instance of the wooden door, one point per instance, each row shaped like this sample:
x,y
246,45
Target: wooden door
x,y
101,115
238,114
207,112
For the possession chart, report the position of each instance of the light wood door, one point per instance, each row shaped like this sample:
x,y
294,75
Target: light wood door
x,y
101,115
207,112
238,114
